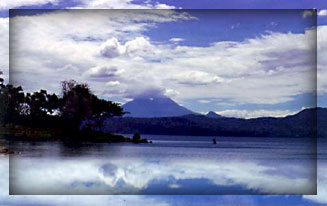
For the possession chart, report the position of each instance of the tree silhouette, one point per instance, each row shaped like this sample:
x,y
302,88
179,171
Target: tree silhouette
x,y
79,103
40,104
11,99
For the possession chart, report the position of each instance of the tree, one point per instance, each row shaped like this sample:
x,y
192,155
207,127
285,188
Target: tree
x,y
11,99
75,103
79,103
103,108
41,104
136,137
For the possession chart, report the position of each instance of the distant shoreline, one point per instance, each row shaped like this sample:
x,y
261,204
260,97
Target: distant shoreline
x,y
309,123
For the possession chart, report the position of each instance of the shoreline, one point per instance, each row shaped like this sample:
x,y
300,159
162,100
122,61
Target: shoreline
x,y
14,132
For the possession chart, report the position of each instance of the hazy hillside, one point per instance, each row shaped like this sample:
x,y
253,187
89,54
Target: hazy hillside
x,y
302,124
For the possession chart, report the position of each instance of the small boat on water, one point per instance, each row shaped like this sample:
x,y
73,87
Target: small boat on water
x,y
214,141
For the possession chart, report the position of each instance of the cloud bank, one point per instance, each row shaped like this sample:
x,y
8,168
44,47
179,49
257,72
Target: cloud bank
x,y
248,114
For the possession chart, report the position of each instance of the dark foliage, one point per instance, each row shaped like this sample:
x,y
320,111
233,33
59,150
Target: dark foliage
x,y
11,99
40,104
136,137
43,110
78,103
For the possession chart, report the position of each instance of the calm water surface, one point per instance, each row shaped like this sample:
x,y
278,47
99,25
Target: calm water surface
x,y
170,165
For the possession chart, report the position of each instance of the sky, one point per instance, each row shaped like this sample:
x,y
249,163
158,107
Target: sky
x,y
245,109
246,63
241,63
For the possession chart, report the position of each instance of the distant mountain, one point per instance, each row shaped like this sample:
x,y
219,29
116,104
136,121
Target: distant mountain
x,y
212,114
154,107
307,123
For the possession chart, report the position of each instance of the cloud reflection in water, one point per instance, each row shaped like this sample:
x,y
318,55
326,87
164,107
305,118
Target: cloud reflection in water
x,y
137,176
250,200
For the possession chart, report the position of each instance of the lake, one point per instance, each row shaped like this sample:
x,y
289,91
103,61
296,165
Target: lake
x,y
170,165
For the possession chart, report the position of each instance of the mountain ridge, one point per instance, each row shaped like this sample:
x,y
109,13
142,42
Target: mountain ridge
x,y
213,114
154,107
307,123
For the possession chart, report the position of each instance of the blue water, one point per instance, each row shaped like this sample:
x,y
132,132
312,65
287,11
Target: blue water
x,y
170,165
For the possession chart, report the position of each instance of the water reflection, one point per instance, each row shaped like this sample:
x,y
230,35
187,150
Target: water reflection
x,y
249,200
128,169
222,200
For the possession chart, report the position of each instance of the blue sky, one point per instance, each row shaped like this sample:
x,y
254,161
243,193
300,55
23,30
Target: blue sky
x,y
253,4
230,25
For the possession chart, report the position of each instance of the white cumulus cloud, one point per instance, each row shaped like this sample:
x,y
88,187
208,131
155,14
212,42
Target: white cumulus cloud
x,y
112,47
322,12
